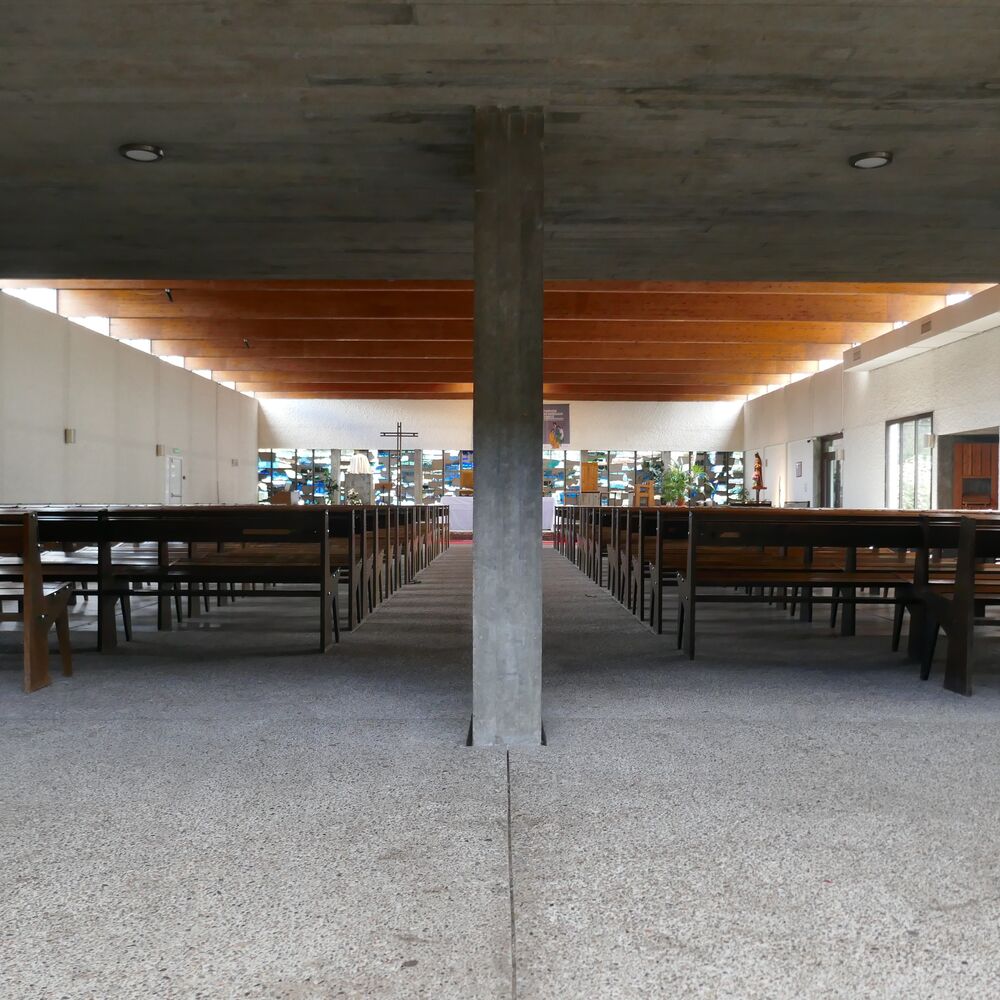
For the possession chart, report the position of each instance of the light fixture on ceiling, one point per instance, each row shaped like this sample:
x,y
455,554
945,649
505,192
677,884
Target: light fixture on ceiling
x,y
141,152
871,160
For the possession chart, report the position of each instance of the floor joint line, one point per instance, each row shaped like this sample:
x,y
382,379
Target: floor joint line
x,y
510,888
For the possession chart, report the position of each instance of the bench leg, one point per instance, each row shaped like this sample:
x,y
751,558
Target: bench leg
x,y
326,600
65,649
849,614
958,665
806,607
918,626
126,602
107,627
897,624
164,621
36,656
689,629
930,628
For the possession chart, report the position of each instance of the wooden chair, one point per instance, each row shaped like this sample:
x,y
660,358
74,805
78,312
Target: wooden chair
x,y
39,605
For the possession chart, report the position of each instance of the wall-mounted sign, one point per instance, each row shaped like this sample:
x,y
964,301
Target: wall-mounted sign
x,y
555,426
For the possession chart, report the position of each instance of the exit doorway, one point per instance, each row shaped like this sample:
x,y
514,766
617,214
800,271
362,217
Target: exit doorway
x,y
969,466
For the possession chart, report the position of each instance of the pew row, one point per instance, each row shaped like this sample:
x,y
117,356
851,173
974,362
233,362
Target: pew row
x,y
163,552
800,558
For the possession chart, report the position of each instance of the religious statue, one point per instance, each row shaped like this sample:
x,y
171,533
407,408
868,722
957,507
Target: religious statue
x,y
757,483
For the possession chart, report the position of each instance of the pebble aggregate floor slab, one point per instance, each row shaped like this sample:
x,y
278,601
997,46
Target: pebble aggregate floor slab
x,y
221,812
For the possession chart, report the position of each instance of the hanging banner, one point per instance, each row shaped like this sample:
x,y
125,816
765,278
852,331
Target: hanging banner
x,y
555,426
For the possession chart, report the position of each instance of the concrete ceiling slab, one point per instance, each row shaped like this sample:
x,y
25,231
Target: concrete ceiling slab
x,y
333,140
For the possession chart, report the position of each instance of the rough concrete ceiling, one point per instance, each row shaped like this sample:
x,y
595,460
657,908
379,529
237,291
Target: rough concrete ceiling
x,y
323,139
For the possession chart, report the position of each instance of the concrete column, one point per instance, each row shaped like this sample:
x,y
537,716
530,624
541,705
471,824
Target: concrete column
x,y
507,429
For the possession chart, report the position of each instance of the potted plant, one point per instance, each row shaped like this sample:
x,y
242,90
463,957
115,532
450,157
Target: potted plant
x,y
675,485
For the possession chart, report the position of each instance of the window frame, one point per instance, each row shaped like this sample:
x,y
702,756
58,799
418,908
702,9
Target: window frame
x,y
915,420
827,459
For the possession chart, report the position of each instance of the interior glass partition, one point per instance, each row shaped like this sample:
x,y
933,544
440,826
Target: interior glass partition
x,y
317,475
553,474
621,475
571,476
432,474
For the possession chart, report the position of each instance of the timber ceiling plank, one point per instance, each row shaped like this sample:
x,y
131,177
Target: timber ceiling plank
x,y
264,331
602,339
434,303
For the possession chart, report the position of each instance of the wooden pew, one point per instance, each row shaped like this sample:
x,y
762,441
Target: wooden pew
x,y
75,552
955,596
731,548
123,548
661,555
728,554
39,606
289,547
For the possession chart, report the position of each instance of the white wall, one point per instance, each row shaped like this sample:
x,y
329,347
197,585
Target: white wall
x,y
56,374
958,383
330,423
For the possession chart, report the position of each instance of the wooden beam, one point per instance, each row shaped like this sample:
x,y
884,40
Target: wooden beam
x,y
578,396
559,351
262,376
747,371
688,391
303,378
704,287
772,373
440,303
400,351
364,395
280,335
376,389
278,331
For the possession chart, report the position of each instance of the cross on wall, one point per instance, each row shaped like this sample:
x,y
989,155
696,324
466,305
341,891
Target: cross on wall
x,y
398,434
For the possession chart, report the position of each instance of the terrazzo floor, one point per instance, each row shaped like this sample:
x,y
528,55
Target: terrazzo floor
x,y
221,812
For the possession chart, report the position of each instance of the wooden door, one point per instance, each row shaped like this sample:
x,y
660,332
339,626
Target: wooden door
x,y
974,480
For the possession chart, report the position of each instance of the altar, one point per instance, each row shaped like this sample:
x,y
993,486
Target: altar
x,y
462,507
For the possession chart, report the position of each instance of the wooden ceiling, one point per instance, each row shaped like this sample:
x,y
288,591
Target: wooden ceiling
x,y
659,341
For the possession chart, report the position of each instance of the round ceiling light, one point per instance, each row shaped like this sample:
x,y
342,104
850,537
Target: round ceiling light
x,y
871,161
141,152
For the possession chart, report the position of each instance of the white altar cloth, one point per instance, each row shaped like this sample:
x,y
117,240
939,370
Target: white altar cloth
x,y
462,507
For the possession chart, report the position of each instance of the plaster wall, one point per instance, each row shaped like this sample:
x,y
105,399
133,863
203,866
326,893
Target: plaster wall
x,y
322,423
958,383
55,374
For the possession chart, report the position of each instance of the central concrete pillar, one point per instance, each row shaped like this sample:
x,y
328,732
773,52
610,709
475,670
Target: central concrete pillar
x,y
507,429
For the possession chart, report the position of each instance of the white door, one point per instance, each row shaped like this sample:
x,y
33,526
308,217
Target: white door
x,y
175,480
